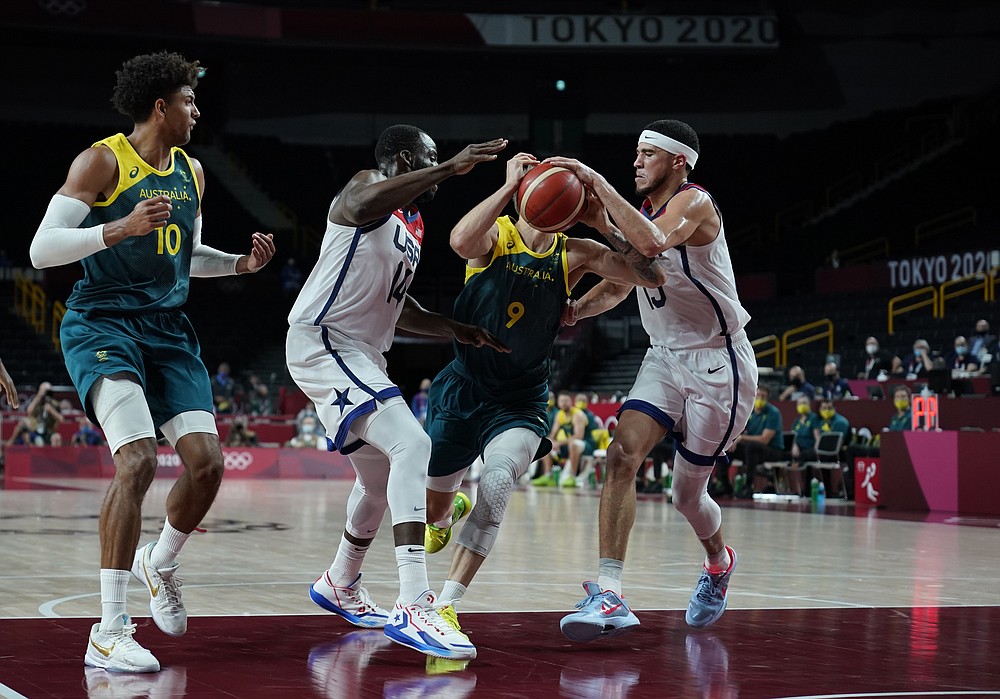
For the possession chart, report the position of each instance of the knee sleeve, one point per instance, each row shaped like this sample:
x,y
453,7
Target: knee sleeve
x,y
188,423
394,431
122,412
367,501
506,457
690,497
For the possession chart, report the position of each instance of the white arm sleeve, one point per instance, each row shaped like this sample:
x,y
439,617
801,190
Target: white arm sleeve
x,y
206,261
59,240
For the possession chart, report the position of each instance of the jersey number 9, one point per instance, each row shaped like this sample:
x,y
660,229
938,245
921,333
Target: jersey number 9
x,y
515,312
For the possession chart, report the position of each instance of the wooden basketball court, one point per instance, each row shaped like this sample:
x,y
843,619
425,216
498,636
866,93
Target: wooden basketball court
x,y
832,604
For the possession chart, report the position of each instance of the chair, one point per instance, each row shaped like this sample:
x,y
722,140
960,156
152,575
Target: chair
x,y
828,456
778,467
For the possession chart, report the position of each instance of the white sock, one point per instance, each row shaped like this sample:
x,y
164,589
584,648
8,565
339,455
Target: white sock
x,y
609,575
452,592
411,560
114,585
346,565
718,562
167,546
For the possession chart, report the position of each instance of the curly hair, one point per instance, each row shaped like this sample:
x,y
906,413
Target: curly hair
x,y
144,79
395,139
679,131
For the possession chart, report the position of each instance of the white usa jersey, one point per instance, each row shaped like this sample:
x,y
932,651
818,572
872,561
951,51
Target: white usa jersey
x,y
357,287
698,303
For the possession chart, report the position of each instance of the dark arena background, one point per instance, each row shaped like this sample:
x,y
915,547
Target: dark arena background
x,y
851,148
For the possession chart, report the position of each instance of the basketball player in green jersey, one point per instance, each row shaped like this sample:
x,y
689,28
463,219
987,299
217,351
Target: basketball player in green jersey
x,y
130,211
493,405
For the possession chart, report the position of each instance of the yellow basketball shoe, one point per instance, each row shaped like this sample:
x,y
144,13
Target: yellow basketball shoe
x,y
436,538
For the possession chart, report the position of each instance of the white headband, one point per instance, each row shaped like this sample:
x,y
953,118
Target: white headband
x,y
670,145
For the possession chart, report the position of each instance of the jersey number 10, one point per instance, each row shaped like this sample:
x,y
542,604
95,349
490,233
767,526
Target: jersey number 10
x,y
169,239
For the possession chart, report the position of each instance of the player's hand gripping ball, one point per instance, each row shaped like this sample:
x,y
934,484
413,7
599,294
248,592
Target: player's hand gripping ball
x,y
551,198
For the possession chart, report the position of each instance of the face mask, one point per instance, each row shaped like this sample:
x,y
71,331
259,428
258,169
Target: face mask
x,y
796,382
827,414
581,404
830,377
802,409
308,429
902,404
871,349
918,350
759,403
961,350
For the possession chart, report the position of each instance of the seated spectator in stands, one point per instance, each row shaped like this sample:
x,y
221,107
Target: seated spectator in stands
x,y
86,434
309,411
307,437
223,389
901,421
418,405
834,387
877,361
919,362
260,400
763,440
43,412
806,429
832,421
797,386
959,359
983,345
55,440
240,434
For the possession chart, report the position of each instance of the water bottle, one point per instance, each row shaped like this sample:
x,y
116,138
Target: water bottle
x,y
738,484
556,474
668,481
821,494
592,479
814,487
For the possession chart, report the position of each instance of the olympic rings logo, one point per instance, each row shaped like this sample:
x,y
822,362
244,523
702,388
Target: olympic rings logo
x,y
237,460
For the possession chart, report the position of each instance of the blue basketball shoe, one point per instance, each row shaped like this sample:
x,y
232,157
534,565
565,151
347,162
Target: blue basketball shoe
x,y
352,602
601,613
709,599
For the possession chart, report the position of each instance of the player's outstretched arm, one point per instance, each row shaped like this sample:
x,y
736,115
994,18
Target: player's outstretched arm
x,y
475,234
59,239
603,297
206,261
7,387
370,195
417,319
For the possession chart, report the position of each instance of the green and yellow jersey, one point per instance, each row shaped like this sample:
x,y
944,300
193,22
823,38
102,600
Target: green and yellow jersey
x,y
144,273
519,296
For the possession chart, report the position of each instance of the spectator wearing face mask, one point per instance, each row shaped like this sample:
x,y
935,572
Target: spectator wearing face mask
x,y
832,421
900,421
959,359
797,386
876,361
917,364
307,438
806,429
834,387
983,344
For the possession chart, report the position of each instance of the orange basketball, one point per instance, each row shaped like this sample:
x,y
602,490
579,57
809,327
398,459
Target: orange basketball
x,y
551,198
